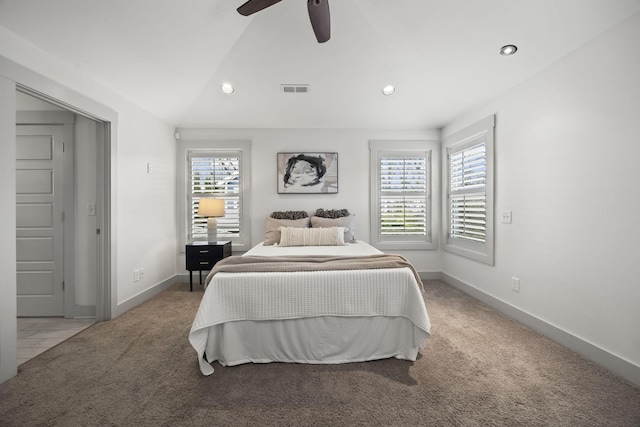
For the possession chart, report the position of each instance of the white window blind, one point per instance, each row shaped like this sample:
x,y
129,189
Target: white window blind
x,y
467,193
216,175
402,185
469,181
403,196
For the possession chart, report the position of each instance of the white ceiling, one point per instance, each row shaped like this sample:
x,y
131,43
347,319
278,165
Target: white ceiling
x,y
170,57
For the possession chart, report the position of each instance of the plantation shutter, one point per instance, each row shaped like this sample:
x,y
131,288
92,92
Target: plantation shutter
x,y
403,196
467,192
216,175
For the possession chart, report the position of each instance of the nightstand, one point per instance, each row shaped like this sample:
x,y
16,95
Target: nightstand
x,y
204,255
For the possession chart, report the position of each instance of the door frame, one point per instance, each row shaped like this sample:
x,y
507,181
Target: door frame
x,y
8,303
105,295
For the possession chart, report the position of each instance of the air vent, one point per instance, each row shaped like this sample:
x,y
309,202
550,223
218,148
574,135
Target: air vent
x,y
295,88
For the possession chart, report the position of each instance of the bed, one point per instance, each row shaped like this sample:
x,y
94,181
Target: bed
x,y
326,316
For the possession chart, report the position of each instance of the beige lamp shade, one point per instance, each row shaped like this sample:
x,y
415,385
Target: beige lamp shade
x,y
211,207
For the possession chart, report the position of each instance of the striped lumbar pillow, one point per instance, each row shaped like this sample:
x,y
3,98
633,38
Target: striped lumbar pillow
x,y
329,236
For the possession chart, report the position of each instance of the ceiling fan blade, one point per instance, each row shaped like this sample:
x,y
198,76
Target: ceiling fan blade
x,y
320,20
253,6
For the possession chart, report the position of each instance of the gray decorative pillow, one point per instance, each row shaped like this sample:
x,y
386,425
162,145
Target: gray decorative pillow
x,y
347,221
332,213
272,234
289,214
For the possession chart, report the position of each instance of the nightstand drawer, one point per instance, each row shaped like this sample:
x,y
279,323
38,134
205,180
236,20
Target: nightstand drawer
x,y
200,264
200,258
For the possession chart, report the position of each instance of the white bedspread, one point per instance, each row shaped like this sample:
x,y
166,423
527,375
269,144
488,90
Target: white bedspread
x,y
297,295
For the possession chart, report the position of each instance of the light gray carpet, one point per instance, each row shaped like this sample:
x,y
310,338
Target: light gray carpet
x,y
479,369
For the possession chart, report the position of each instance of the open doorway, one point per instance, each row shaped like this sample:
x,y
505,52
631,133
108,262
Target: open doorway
x,y
72,279
56,190
56,224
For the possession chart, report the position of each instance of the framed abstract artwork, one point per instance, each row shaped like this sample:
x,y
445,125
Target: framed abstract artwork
x,y
308,173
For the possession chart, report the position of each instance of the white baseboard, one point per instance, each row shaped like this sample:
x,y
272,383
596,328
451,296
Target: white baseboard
x,y
597,355
430,275
144,296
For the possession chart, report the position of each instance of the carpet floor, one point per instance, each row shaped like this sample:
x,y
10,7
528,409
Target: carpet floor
x,y
480,368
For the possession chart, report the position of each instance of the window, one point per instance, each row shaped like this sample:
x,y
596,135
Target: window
x,y
217,175
219,169
469,160
467,186
401,194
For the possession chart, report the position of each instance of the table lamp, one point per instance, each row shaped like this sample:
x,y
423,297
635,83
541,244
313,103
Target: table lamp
x,y
211,209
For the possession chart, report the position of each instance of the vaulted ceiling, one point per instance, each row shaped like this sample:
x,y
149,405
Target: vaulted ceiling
x,y
170,57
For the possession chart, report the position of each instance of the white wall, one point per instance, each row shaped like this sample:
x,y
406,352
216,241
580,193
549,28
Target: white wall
x,y
352,147
146,209
567,166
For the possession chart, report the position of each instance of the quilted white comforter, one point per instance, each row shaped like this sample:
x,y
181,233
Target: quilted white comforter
x,y
232,297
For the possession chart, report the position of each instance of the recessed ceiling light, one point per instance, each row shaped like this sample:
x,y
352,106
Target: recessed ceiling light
x,y
508,50
227,88
388,90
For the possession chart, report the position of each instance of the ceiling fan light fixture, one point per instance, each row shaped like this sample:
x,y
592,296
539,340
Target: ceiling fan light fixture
x,y
388,90
508,50
227,88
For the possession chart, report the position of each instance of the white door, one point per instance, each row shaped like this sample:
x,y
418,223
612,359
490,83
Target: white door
x,y
40,219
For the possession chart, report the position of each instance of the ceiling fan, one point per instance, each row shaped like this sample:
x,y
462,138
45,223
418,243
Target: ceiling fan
x,y
318,14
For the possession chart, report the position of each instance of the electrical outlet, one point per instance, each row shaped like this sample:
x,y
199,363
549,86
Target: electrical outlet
x,y
515,284
136,275
141,273
506,217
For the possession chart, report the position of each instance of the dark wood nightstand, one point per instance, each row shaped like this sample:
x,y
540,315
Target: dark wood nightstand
x,y
204,255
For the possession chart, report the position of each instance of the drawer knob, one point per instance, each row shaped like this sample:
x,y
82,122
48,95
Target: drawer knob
x,y
204,262
206,251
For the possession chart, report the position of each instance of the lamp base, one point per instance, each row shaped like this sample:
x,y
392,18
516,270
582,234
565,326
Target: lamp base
x,y
212,230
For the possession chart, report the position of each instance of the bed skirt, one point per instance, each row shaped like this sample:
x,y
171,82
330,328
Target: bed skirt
x,y
314,340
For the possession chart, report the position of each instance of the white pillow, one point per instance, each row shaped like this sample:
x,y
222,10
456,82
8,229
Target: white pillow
x,y
330,236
